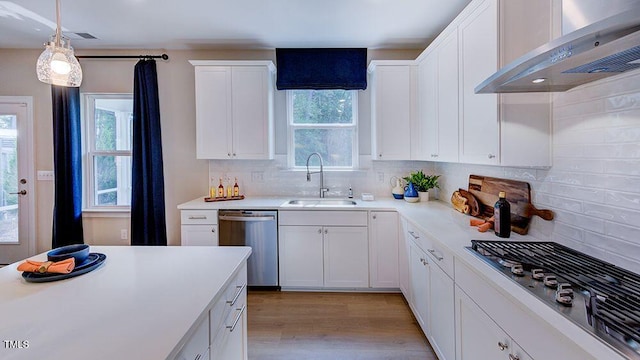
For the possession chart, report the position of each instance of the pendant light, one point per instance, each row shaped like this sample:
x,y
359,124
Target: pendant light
x,y
57,65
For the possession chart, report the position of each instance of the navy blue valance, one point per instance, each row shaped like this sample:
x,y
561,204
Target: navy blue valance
x,y
321,69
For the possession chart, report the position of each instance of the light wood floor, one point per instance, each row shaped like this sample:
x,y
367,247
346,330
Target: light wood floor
x,y
303,325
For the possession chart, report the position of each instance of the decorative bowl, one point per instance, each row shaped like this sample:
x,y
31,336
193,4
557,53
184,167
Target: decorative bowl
x,y
80,252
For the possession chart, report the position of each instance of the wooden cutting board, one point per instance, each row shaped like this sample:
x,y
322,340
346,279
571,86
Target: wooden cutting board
x,y
486,190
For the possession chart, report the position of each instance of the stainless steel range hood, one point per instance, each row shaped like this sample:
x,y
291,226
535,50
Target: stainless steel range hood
x,y
601,49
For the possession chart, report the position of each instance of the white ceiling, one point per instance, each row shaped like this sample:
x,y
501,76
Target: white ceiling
x,y
247,24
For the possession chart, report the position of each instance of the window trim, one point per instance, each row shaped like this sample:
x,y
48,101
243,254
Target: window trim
x,y
88,153
291,127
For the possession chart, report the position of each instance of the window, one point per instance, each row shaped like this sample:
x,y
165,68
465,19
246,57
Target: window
x,y
323,121
107,143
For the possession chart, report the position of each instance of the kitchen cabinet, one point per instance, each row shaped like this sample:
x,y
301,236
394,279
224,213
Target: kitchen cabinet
x,y
234,109
228,322
383,254
481,308
323,249
506,129
480,337
197,347
438,101
403,260
419,275
199,227
441,307
392,109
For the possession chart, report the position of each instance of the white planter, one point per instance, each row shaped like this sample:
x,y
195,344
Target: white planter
x,y
423,195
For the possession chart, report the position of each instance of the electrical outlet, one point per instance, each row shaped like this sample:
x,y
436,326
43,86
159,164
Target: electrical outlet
x,y
44,175
380,176
257,176
123,234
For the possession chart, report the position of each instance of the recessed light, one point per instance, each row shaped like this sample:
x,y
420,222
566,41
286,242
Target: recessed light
x,y
538,80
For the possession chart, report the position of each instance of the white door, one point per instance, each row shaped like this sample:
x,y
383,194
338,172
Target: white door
x,y
17,234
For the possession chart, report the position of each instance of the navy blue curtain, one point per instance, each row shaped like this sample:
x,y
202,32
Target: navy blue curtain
x,y
67,167
321,69
148,223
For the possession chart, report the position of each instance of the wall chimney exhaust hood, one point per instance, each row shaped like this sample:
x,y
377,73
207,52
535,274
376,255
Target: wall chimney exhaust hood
x,y
601,49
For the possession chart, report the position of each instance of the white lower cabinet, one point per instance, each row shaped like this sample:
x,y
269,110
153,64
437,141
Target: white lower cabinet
x,y
199,228
441,312
197,348
222,334
419,273
480,338
403,260
323,249
383,251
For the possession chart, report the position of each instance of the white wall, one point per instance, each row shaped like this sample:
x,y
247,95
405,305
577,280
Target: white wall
x,y
594,184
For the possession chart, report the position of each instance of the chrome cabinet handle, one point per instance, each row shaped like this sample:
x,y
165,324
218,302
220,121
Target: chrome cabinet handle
x,y
234,154
374,217
319,231
213,230
229,154
491,156
414,235
235,321
502,346
235,298
513,357
198,357
326,231
433,252
197,217
380,155
21,192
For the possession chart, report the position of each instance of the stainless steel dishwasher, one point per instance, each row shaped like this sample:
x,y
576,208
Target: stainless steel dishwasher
x,y
259,230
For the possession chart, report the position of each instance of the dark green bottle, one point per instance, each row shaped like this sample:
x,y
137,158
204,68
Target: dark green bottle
x,y
502,216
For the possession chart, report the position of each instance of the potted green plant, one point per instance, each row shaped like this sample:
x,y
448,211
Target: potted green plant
x,y
423,183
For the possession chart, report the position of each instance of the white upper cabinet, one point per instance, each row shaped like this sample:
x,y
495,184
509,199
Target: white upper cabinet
x,y
458,125
505,129
234,109
438,101
392,109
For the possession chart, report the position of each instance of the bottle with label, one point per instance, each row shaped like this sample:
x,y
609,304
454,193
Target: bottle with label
x,y
502,216
229,189
220,192
236,189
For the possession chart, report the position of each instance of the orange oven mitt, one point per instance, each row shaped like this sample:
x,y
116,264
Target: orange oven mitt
x,y
60,267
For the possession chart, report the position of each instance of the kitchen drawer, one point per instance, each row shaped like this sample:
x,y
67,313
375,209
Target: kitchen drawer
x,y
433,248
234,296
322,218
199,217
197,348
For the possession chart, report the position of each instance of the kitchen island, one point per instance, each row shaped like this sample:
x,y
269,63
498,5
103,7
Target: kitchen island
x,y
141,303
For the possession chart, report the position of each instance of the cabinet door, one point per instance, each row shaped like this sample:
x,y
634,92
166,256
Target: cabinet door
x,y
199,235
383,255
478,336
442,314
346,257
447,107
428,106
403,260
419,275
251,112
213,112
301,259
197,347
392,112
480,130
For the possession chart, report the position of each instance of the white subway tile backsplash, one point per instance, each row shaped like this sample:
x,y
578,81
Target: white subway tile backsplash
x,y
629,200
623,102
623,134
623,167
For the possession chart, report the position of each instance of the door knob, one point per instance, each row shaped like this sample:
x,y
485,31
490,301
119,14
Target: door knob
x,y
21,192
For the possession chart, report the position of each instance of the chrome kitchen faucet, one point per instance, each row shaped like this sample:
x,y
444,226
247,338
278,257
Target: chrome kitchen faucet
x,y
321,172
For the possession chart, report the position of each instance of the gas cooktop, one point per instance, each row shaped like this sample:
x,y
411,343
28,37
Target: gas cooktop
x,y
598,296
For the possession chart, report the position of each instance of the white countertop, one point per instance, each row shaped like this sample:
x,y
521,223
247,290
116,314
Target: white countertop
x,y
140,304
451,228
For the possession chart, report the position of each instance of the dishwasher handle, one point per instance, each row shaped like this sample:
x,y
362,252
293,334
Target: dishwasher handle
x,y
247,218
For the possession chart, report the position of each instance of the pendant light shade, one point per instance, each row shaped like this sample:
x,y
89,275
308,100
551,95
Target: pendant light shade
x,y
57,65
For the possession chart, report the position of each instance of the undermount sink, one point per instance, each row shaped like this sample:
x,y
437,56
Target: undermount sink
x,y
320,203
